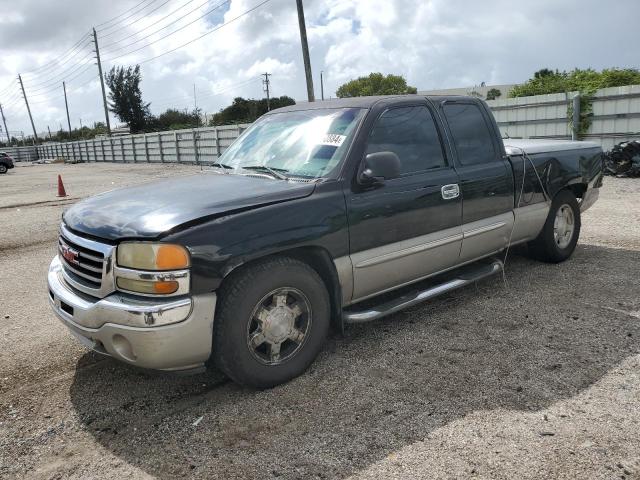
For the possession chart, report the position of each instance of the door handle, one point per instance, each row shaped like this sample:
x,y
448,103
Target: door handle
x,y
450,191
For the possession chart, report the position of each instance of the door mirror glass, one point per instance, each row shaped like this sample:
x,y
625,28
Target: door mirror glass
x,y
380,166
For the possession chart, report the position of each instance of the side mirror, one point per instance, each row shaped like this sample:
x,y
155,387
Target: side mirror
x,y
378,167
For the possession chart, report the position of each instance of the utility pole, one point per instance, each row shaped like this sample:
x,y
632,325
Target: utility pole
x,y
64,88
305,51
49,132
195,99
321,86
266,82
4,120
81,132
104,95
35,135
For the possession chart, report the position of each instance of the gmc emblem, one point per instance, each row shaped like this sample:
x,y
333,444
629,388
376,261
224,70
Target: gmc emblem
x,y
69,254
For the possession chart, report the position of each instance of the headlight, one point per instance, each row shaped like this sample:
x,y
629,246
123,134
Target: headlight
x,y
152,268
152,256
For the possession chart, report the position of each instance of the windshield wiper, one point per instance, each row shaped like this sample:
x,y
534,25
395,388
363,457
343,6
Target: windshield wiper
x,y
222,165
275,172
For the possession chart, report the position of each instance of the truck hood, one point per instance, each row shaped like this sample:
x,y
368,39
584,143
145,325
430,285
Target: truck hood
x,y
151,210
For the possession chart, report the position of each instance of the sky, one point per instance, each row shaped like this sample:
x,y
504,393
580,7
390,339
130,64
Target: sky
x,y
434,44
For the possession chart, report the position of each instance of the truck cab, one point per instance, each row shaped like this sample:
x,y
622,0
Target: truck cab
x,y
319,215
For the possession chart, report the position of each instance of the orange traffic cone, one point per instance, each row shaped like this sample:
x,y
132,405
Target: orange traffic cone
x,y
61,191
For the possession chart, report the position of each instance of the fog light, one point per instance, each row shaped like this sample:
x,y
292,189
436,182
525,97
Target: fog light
x,y
143,286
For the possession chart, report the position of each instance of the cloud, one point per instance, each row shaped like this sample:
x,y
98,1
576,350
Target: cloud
x,y
433,43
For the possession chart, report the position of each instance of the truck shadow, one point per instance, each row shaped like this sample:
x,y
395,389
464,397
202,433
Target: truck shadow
x,y
545,336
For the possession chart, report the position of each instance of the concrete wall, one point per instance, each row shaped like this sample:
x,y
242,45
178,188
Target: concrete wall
x,y
616,116
198,145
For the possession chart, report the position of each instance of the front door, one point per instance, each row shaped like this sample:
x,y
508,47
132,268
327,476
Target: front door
x,y
410,227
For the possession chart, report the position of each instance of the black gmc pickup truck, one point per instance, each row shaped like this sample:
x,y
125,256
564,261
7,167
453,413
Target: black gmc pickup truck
x,y
325,213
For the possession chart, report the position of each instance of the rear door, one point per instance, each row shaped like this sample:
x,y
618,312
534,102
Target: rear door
x,y
405,229
486,179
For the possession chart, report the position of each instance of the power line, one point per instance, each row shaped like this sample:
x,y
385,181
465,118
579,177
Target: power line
x,y
58,58
135,21
127,17
123,13
56,79
116,42
201,96
169,34
201,36
61,63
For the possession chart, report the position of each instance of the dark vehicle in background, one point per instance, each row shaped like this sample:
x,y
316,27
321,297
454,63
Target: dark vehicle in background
x,y
6,162
320,214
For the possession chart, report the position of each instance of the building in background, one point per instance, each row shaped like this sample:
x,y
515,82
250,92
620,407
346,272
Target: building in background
x,y
479,91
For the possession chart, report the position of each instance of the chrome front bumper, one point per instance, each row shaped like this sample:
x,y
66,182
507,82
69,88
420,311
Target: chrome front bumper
x,y
123,326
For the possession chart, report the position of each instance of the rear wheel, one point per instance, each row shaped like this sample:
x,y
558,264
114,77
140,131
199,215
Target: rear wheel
x,y
560,233
271,322
3,168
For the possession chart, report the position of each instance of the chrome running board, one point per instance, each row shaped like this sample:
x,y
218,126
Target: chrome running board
x,y
466,276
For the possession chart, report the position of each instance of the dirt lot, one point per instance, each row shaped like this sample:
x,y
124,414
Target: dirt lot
x,y
538,377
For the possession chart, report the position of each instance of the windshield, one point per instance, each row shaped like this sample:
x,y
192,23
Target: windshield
x,y
307,144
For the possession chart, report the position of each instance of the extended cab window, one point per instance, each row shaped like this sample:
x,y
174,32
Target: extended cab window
x,y
471,135
410,133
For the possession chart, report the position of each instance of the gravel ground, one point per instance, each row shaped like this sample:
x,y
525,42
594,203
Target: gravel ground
x,y
534,377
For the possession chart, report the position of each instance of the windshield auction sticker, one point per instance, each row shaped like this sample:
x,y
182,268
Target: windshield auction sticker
x,y
333,139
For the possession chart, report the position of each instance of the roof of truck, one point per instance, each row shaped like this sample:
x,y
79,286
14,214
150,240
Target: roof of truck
x,y
361,102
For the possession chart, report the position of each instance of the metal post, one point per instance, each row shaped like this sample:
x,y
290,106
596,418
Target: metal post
x,y
305,51
133,147
266,89
217,142
146,148
175,139
575,121
124,158
160,148
195,147
321,86
104,95
35,135
4,121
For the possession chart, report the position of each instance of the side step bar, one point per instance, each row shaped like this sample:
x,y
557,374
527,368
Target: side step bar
x,y
469,275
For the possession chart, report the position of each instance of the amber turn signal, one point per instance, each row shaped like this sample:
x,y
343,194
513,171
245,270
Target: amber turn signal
x,y
149,287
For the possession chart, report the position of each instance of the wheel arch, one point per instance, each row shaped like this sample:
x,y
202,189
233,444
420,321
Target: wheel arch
x,y
317,258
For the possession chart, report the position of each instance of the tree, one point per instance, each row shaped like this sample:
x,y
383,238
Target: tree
x,y
586,81
493,93
375,84
125,97
248,110
174,119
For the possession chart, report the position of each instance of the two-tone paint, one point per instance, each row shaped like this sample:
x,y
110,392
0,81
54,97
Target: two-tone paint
x,y
362,240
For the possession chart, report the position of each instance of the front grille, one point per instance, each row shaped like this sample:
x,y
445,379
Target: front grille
x,y
88,267
86,264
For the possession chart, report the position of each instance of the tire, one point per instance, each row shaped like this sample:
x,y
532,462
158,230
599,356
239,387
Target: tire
x,y
3,168
552,248
266,299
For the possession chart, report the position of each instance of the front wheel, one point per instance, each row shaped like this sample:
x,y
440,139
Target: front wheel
x,y
559,236
271,322
3,168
